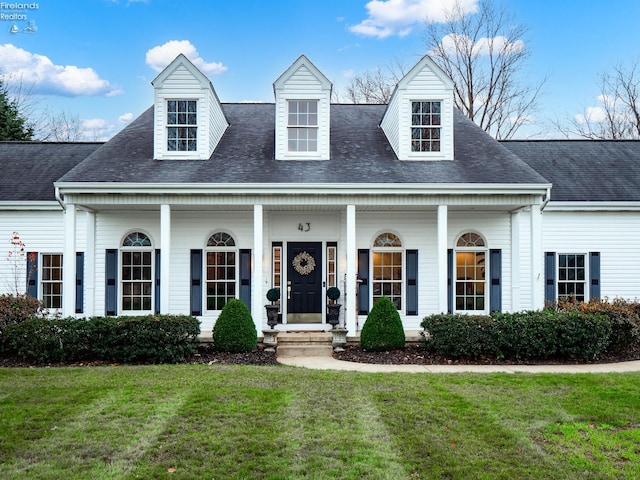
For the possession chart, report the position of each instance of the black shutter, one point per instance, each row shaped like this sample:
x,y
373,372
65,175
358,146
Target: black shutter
x,y
450,281
495,277
550,277
412,282
79,282
594,275
245,277
32,274
363,282
157,283
111,280
196,282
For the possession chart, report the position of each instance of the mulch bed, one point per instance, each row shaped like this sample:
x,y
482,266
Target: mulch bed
x,y
411,355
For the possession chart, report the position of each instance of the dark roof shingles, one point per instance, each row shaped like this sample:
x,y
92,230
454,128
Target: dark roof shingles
x,y
360,153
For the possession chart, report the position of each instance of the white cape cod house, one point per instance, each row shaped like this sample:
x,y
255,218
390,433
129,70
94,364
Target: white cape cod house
x,y
197,202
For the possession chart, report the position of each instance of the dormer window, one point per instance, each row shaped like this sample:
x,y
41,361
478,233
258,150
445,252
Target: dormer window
x,y
426,126
302,126
182,126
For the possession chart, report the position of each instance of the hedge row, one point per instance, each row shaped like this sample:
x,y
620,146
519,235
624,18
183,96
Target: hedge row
x,y
148,339
540,335
18,308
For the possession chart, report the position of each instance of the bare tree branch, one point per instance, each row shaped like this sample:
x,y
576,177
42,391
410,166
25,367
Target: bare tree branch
x,y
484,55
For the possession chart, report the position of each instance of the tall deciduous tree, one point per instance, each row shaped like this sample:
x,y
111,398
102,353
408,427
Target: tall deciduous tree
x,y
13,126
484,54
617,115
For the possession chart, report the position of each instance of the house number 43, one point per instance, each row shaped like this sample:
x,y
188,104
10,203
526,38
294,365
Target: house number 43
x,y
304,227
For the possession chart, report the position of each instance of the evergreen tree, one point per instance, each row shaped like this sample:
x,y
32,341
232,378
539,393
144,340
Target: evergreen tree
x,y
13,126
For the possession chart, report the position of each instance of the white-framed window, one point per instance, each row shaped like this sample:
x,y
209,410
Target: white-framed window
x,y
182,125
136,266
426,126
221,270
302,125
332,265
572,276
276,258
470,269
51,280
387,268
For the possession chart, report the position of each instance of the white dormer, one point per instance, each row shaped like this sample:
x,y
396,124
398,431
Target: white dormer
x,y
188,118
418,121
303,97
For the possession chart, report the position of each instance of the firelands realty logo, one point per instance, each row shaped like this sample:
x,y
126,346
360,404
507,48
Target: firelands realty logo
x,y
19,16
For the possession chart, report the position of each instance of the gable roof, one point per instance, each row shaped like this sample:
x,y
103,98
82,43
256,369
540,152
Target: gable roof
x,y
302,62
360,154
30,168
584,170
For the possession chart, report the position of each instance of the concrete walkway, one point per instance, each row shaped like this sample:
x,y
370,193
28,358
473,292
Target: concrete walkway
x,y
330,363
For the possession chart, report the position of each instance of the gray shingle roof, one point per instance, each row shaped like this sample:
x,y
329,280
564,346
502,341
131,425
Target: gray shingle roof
x,y
28,169
584,170
360,153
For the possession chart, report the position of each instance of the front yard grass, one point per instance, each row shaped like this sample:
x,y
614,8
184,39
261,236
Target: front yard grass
x,y
225,421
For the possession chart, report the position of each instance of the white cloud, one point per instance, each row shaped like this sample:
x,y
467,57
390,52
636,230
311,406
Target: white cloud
x,y
482,46
592,114
400,17
39,74
97,129
125,117
162,55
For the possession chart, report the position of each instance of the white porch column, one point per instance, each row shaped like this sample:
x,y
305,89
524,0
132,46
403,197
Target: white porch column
x,y
443,294
165,255
537,277
351,286
516,258
90,266
258,294
69,262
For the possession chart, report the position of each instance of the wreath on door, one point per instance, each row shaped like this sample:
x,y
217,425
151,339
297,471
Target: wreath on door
x,y
303,263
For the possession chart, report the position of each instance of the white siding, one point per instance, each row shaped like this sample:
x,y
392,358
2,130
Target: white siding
x,y
616,235
421,85
302,84
184,83
40,231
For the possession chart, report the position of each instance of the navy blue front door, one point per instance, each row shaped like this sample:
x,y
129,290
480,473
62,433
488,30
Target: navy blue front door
x,y
304,282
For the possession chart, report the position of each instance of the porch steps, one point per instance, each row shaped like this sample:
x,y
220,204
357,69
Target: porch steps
x,y
304,344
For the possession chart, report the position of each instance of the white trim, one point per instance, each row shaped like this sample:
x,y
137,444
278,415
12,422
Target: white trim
x,y
69,266
537,258
27,205
165,259
442,235
592,206
350,292
259,280
303,188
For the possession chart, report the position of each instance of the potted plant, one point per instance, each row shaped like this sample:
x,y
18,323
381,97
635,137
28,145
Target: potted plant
x,y
273,295
333,308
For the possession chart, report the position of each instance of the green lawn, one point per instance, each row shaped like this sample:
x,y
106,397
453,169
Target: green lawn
x,y
223,421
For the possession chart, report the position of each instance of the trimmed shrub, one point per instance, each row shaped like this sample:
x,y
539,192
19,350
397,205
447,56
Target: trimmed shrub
x,y
234,330
18,308
153,338
383,328
458,336
148,339
623,315
535,335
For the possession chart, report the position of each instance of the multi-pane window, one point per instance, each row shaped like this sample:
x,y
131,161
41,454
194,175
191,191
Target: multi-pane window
x,y
221,270
181,125
426,126
332,274
387,268
137,274
51,280
277,266
572,276
470,268
302,125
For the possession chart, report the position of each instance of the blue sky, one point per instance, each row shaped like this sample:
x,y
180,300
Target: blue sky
x,y
96,58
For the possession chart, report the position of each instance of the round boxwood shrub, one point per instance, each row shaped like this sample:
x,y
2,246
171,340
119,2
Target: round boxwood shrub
x,y
383,328
234,330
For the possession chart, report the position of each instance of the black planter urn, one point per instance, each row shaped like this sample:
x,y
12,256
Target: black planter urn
x,y
333,314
